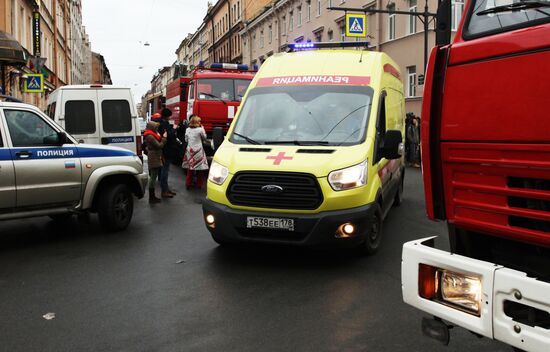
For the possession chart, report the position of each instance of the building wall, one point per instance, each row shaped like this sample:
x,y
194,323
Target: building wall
x,y
56,24
100,72
287,21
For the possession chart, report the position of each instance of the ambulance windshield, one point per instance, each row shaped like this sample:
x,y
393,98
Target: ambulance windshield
x,y
304,115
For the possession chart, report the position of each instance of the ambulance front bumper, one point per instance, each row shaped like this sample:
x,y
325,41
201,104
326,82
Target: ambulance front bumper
x,y
310,229
501,287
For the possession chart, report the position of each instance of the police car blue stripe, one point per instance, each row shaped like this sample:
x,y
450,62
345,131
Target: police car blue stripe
x,y
100,153
5,154
45,153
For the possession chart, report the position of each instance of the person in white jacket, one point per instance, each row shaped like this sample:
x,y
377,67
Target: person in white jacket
x,y
195,157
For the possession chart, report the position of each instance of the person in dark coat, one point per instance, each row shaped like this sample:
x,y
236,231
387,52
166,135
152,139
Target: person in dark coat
x,y
154,143
413,140
168,152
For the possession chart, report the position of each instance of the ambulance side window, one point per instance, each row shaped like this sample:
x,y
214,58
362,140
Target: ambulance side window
x,y
380,129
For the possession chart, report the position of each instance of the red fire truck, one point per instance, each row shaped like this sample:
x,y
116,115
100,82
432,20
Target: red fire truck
x,y
214,94
486,167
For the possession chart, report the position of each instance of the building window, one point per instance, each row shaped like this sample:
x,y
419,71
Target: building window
x,y
270,34
391,22
411,81
299,16
330,35
343,32
318,8
291,21
309,10
329,3
412,18
283,26
239,9
457,7
319,36
262,38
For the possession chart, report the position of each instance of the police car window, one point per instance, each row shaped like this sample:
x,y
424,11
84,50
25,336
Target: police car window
x,y
493,16
319,115
116,116
80,117
27,129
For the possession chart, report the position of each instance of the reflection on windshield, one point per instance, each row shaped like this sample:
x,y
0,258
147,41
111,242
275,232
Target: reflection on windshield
x,y
312,115
224,89
499,15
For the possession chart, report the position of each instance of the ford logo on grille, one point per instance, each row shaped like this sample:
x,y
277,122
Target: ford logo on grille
x,y
272,189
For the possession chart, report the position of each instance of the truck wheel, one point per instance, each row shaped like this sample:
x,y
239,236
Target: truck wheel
x,y
399,195
115,207
374,234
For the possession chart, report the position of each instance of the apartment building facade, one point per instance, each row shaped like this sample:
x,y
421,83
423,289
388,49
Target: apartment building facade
x,y
45,29
401,36
100,72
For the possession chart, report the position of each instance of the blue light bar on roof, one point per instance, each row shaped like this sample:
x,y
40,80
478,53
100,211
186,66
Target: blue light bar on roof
x,y
223,66
298,46
326,45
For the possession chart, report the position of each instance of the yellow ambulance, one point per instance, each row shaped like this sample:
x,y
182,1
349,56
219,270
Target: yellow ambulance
x,y
315,154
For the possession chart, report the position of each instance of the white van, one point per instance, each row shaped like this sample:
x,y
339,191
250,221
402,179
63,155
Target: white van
x,y
97,114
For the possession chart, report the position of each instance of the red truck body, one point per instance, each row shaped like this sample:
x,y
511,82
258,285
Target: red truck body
x,y
486,167
214,94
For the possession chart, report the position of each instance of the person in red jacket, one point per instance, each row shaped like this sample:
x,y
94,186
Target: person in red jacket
x,y
154,143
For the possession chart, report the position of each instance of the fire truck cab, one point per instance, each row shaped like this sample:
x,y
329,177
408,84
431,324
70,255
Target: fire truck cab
x,y
215,93
486,167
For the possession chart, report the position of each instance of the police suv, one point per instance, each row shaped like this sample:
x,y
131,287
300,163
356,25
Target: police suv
x,y
45,172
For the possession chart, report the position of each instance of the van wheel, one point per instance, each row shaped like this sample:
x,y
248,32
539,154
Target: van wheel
x,y
115,207
374,234
399,195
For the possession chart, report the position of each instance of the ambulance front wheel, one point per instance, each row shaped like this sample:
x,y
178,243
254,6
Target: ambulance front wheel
x,y
374,234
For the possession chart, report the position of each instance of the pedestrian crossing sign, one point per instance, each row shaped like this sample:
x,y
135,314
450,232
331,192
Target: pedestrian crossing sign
x,y
34,83
356,25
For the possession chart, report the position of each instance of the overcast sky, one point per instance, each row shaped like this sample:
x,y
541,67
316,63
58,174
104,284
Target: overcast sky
x,y
118,29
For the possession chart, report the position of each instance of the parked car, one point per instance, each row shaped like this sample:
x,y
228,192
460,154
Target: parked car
x,y
45,172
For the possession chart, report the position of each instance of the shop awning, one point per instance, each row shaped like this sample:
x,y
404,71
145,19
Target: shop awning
x,y
11,52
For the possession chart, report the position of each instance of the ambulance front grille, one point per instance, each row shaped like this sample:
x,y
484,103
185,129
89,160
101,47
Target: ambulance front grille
x,y
299,191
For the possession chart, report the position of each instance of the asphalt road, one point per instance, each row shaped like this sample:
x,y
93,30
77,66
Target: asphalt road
x,y
164,285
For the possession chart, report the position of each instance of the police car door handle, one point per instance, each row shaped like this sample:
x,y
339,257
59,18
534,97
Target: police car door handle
x,y
23,154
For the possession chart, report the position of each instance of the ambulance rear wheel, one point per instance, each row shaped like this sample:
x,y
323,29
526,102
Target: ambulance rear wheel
x,y
399,195
374,234
115,207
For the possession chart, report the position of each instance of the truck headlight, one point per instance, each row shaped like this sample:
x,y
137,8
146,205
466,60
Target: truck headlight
x,y
351,177
218,173
463,291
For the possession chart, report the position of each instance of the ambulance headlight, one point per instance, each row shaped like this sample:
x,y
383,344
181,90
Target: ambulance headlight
x,y
352,177
218,173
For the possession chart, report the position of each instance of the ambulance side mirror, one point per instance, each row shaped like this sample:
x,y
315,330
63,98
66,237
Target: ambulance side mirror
x,y
217,137
393,145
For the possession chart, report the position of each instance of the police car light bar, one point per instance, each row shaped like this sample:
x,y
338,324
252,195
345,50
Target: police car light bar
x,y
327,45
223,66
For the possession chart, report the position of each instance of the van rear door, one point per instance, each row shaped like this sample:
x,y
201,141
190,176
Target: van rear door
x,y
117,120
78,111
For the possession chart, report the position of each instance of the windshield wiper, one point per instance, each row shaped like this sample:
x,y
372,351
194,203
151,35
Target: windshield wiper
x,y
248,139
516,6
213,96
296,142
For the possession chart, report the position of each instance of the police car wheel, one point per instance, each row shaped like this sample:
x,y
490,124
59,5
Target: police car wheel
x,y
116,207
374,234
